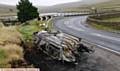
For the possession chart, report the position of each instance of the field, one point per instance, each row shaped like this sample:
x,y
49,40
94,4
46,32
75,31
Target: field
x,y
10,49
6,10
11,38
27,30
106,28
112,19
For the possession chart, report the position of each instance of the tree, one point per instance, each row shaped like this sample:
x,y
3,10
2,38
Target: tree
x,y
26,11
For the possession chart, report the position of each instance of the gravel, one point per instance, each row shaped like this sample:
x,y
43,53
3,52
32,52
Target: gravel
x,y
100,60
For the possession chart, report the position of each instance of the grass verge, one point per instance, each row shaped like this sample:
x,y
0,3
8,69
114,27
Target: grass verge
x,y
106,28
32,26
112,19
10,49
11,37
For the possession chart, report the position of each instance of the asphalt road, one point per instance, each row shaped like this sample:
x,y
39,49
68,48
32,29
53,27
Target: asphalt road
x,y
76,26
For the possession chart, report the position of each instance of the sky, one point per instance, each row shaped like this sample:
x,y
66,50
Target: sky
x,y
38,2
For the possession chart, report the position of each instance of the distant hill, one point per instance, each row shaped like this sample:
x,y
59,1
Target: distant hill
x,y
6,6
77,6
66,7
111,3
72,5
7,10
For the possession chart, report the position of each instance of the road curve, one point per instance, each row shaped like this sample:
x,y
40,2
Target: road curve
x,y
76,26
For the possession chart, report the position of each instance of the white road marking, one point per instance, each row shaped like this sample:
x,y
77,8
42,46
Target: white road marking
x,y
103,47
70,26
106,37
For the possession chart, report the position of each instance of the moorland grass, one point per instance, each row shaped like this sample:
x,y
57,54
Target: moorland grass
x,y
10,49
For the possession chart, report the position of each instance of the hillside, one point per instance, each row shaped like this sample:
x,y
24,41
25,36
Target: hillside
x,y
76,6
72,6
7,10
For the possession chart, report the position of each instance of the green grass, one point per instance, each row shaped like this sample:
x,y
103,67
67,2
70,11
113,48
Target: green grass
x,y
112,19
27,29
106,28
10,48
3,58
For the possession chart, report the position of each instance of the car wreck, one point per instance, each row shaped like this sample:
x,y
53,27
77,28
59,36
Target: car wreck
x,y
59,46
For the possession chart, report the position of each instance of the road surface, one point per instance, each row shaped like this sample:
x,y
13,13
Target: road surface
x,y
76,26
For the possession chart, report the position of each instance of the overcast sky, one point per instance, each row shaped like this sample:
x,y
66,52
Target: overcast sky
x,y
38,2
